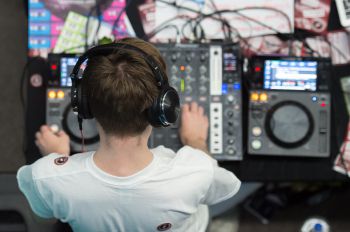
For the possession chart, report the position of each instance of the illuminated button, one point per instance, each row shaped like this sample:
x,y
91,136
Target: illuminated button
x,y
254,97
182,68
53,66
323,104
314,99
257,69
263,97
54,128
256,131
52,94
256,144
60,94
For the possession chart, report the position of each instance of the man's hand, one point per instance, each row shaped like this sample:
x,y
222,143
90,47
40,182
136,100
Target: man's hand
x,y
194,127
50,142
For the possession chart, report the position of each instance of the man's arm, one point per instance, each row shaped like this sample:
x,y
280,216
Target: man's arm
x,y
194,127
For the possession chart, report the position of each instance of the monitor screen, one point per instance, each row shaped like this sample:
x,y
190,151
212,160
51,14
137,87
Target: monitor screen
x,y
290,75
67,65
57,26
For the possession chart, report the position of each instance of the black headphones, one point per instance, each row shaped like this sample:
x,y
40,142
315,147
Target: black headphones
x,y
164,110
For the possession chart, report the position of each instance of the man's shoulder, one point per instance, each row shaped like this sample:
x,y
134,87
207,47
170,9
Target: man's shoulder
x,y
54,165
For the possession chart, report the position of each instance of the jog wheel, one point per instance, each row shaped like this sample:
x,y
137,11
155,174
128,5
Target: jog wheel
x,y
70,125
289,124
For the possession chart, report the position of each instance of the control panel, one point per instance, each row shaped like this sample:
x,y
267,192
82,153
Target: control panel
x,y
209,74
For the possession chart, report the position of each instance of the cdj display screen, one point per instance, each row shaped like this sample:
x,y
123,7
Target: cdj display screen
x,y
290,75
67,65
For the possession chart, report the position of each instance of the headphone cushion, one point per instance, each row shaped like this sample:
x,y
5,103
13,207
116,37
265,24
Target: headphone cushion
x,y
165,109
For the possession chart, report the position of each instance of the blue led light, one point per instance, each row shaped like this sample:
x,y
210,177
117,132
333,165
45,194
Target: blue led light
x,y
314,98
236,86
224,88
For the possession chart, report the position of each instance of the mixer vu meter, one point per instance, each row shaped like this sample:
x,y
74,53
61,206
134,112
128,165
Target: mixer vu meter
x,y
209,74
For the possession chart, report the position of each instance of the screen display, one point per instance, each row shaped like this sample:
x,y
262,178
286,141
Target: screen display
x,y
67,65
229,61
56,26
290,75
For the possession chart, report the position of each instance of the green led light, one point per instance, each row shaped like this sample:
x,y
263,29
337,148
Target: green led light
x,y
182,87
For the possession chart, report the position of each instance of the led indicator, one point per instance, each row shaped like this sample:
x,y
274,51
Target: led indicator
x,y
323,104
53,66
254,97
224,88
60,94
182,68
182,85
314,99
52,94
257,69
263,97
236,86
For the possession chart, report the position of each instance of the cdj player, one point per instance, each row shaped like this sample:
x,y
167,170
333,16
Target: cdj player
x,y
59,113
289,106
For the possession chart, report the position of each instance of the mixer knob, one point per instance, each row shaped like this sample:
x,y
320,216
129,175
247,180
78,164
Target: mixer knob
x,y
202,57
174,57
173,79
188,89
188,58
231,141
189,79
230,98
203,79
202,69
230,131
202,89
231,151
188,69
229,113
173,69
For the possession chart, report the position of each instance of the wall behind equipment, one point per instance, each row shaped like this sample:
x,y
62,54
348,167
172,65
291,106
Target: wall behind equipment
x,y
13,50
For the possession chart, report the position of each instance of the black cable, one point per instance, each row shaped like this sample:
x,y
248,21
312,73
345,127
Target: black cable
x,y
98,14
162,25
87,27
149,36
236,11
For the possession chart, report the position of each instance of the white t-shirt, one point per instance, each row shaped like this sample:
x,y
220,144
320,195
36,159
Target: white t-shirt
x,y
170,194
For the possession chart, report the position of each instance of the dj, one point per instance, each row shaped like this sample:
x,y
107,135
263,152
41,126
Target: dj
x,y
124,185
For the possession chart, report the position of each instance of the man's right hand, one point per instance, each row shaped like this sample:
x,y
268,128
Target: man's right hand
x,y
194,126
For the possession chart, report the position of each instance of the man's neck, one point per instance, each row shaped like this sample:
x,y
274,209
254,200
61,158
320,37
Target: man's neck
x,y
123,156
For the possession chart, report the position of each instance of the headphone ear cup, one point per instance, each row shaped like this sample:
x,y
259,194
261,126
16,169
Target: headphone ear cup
x,y
83,103
165,109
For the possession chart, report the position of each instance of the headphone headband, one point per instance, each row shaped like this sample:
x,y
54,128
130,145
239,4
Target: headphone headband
x,y
107,49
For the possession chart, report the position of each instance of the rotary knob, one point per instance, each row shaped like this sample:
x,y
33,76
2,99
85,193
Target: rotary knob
x,y
202,69
231,151
202,89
